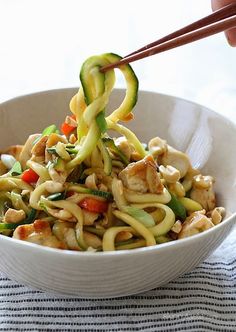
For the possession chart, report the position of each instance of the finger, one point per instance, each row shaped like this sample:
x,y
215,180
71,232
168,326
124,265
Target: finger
x,y
230,34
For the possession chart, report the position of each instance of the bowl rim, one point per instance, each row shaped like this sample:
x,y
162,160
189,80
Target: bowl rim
x,y
119,253
138,251
161,94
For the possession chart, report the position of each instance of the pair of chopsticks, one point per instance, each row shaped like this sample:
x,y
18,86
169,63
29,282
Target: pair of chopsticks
x,y
221,20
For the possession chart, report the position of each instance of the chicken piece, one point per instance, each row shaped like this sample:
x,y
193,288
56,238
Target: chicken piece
x,y
203,193
13,216
177,159
40,233
25,154
196,223
142,176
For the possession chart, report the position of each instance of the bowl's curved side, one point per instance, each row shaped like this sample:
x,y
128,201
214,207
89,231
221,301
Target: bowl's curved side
x,y
30,114
109,275
207,137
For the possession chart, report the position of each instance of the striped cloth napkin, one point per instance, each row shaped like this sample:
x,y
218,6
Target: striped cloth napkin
x,y
202,300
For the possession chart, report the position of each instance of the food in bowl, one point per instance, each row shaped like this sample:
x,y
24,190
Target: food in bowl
x,y
80,189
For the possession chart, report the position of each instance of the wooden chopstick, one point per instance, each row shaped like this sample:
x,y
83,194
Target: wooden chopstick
x,y
189,37
218,15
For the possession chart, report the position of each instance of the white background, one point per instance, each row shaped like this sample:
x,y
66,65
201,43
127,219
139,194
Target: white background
x,y
43,44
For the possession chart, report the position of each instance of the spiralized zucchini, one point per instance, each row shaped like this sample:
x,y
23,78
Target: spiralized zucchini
x,y
80,189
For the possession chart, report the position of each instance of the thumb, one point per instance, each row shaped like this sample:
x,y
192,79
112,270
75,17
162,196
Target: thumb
x,y
230,34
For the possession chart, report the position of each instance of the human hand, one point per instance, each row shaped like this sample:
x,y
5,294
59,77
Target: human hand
x,y
230,34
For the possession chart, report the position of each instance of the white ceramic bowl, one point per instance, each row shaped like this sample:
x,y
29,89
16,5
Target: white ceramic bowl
x,y
207,137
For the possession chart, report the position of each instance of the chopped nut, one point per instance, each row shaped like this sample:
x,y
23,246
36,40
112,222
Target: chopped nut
x,y
217,215
72,139
13,216
123,236
124,146
169,173
25,192
177,189
54,138
176,228
177,159
202,182
157,146
70,121
91,181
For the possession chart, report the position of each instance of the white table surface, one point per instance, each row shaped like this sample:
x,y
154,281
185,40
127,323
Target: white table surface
x,y
43,44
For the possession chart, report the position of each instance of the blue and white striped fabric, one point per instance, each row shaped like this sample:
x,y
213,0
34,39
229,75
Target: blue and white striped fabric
x,y
202,300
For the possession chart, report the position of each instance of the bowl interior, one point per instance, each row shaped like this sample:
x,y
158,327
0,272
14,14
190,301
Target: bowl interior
x,y
208,138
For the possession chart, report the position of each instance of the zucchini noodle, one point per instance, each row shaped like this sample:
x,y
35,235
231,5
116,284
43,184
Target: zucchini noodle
x,y
9,183
80,189
133,245
109,236
87,147
131,137
18,202
39,169
165,225
142,230
36,195
133,197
